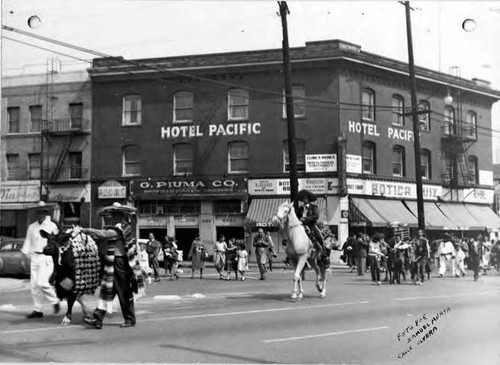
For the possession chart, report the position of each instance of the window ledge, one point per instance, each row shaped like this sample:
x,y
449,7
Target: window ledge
x,y
131,125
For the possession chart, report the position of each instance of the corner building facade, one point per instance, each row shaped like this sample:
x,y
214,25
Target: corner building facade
x,y
199,143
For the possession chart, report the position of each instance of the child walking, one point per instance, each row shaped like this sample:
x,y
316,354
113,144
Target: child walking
x,y
242,257
144,262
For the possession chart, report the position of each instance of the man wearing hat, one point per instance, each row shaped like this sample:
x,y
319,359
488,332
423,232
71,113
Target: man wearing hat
x,y
309,215
122,274
42,266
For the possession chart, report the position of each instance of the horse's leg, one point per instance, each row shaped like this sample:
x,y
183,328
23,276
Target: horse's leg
x,y
320,269
298,290
67,318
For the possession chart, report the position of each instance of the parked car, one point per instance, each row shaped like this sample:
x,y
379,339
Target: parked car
x,y
12,260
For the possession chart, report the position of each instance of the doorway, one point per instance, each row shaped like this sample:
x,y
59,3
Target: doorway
x,y
230,232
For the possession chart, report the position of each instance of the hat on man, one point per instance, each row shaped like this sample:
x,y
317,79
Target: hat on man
x,y
116,208
42,207
306,194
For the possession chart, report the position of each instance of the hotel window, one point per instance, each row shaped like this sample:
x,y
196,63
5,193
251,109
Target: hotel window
x,y
300,147
13,166
238,100
369,154
398,107
75,165
131,160
35,118
425,163
13,115
183,159
34,166
470,128
299,108
398,161
424,117
132,110
368,105
474,178
183,107
238,157
449,121
76,115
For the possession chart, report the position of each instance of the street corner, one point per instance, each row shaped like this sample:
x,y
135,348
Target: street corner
x,y
13,284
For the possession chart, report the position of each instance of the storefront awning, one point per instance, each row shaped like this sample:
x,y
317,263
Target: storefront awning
x,y
460,217
485,215
22,206
434,217
261,210
380,213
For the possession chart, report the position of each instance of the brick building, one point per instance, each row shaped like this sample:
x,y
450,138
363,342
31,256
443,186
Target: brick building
x,y
45,155
198,143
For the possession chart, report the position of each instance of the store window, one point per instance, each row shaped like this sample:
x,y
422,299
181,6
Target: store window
x,y
227,206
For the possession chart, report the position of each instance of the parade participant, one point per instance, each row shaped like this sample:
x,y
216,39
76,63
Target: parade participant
x,y
153,248
261,245
459,261
422,255
122,274
375,254
475,254
446,255
42,266
231,258
309,215
220,248
171,257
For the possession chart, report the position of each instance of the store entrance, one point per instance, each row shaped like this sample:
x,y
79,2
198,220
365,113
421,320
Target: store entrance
x,y
230,232
184,238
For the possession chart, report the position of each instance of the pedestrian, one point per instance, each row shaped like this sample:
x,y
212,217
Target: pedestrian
x,y
348,252
242,259
360,253
261,245
271,253
144,262
122,274
421,256
220,248
231,258
197,255
475,254
42,266
375,254
446,256
171,257
153,248
459,261
485,259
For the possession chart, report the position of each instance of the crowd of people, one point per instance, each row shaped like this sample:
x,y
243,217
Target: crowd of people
x,y
416,258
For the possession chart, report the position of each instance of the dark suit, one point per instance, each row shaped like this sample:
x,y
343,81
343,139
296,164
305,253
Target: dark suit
x,y
310,219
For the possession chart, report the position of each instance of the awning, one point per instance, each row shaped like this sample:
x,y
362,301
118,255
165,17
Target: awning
x,y
22,206
485,215
380,213
434,218
460,217
261,210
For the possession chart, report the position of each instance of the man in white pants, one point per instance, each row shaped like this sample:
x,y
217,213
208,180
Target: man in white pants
x,y
42,266
446,256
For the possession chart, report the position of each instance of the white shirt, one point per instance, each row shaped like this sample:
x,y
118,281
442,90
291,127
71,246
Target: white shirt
x,y
34,242
447,248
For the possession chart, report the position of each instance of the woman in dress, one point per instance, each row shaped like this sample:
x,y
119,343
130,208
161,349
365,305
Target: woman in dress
x,y
242,256
197,255
231,258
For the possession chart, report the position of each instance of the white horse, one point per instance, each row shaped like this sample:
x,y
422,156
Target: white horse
x,y
300,250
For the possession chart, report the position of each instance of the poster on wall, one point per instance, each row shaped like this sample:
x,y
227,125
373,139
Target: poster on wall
x,y
353,164
321,163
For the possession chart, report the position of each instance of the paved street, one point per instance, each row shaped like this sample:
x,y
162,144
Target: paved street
x,y
445,320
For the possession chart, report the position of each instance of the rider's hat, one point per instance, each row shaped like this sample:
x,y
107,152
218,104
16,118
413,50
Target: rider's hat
x,y
306,194
116,208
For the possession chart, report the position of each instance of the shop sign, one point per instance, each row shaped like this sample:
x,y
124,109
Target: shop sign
x,y
353,164
228,220
20,192
486,177
112,189
475,195
213,130
192,220
371,129
161,188
321,163
152,221
391,189
263,187
69,194
282,186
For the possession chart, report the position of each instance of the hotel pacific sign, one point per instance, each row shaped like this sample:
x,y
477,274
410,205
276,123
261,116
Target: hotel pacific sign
x,y
213,130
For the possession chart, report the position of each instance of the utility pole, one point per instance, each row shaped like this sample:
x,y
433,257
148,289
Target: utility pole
x,y
292,150
416,127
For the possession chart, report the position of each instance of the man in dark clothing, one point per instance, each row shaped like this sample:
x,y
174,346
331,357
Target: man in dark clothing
x,y
261,244
309,215
153,248
360,253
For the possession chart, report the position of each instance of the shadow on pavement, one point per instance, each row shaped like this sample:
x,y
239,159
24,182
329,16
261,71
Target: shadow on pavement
x,y
218,354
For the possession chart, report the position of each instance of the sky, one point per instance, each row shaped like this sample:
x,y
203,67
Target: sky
x,y
158,28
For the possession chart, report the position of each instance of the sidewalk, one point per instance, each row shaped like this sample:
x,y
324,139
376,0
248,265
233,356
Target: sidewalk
x,y
14,284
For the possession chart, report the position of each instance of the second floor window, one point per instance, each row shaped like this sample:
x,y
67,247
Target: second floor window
x,y
300,147
299,108
470,128
183,159
238,100
13,115
13,166
368,157
75,165
132,110
449,121
398,161
131,160
398,107
424,117
183,107
238,157
35,166
425,163
473,171
76,115
368,105
35,118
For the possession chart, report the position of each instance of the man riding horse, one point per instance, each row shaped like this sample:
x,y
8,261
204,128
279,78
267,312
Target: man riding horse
x,y
309,214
